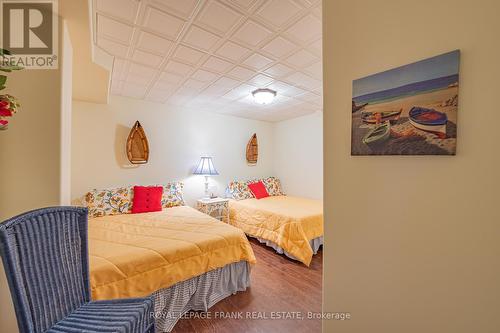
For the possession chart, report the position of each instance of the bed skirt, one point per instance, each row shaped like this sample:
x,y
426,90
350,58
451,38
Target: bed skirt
x,y
198,293
315,244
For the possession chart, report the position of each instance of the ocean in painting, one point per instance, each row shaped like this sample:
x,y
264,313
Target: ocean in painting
x,y
409,110
407,90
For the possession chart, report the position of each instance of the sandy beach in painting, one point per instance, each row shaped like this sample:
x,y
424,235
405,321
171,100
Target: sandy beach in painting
x,y
406,139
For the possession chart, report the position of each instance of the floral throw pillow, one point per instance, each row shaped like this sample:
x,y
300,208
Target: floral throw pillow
x,y
273,186
172,195
238,190
109,201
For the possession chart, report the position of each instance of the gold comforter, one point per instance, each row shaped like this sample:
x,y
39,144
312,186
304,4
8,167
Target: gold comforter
x,y
133,255
287,221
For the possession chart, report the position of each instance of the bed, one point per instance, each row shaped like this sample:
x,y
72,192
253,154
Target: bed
x,y
185,259
291,225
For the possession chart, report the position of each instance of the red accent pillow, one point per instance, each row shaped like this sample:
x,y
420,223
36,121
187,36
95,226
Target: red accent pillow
x,y
147,199
259,190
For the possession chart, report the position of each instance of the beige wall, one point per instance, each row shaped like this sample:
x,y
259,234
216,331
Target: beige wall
x,y
91,81
413,242
30,148
177,138
298,155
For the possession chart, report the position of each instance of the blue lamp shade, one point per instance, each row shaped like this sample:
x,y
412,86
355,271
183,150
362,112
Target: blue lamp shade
x,y
206,167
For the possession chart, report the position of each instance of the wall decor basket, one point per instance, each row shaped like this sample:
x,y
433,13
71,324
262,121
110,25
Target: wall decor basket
x,y
137,145
252,150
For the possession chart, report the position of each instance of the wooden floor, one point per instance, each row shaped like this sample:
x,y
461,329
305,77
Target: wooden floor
x,y
278,284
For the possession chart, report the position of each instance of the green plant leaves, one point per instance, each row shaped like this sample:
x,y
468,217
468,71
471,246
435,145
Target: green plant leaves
x,y
3,80
5,66
10,68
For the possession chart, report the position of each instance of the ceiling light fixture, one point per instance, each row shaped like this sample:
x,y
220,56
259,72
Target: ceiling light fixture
x,y
264,96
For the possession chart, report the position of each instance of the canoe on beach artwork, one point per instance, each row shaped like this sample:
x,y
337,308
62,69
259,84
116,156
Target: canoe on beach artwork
x,y
408,110
380,117
429,120
378,134
357,107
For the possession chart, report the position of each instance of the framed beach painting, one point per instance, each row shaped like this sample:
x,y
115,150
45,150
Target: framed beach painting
x,y
409,110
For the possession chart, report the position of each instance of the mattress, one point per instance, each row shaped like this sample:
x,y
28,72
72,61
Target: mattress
x,y
134,255
289,222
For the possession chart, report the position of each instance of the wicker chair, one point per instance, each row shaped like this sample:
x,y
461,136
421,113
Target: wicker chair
x,y
46,262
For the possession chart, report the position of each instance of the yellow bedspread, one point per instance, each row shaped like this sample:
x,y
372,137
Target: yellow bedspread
x,y
133,255
287,221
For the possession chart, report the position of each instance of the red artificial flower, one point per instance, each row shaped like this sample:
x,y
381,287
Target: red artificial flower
x,y
4,104
5,113
3,122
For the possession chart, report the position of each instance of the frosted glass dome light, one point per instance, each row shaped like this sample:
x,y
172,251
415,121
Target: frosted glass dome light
x,y
264,96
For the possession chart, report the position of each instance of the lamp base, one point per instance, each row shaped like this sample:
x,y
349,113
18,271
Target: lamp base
x,y
207,195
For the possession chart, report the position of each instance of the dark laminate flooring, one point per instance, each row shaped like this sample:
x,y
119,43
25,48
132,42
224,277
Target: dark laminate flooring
x,y
278,285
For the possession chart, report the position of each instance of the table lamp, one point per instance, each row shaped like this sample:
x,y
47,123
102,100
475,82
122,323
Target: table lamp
x,y
206,168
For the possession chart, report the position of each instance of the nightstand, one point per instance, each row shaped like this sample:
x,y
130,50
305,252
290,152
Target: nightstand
x,y
217,207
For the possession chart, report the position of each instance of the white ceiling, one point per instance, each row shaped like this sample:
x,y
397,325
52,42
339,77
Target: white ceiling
x,y
211,54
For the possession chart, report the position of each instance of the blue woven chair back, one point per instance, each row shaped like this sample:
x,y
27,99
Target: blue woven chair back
x,y
46,262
